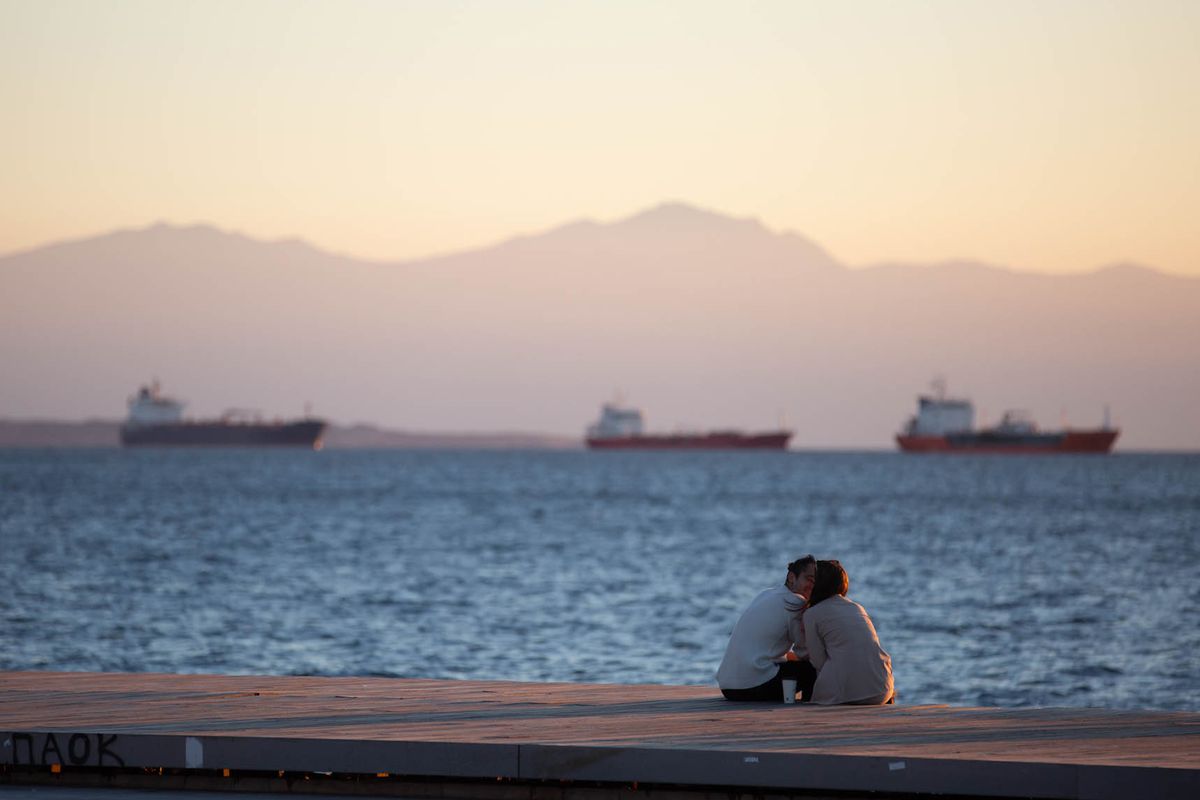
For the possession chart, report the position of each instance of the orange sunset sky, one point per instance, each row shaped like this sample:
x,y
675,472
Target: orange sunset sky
x,y
1048,136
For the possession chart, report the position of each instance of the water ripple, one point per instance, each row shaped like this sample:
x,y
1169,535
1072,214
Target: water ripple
x,y
992,581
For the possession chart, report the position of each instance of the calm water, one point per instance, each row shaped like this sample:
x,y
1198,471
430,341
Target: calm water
x,y
996,581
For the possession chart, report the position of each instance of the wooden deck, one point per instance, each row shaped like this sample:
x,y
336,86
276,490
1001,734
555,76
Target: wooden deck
x,y
683,737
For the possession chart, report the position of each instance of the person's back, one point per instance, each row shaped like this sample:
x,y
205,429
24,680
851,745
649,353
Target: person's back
x,y
761,639
757,655
852,666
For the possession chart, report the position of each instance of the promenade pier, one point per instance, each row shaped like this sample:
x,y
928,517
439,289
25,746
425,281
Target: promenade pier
x,y
494,740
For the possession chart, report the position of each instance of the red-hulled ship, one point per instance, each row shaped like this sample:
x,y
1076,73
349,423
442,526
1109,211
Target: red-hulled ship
x,y
621,429
157,421
947,425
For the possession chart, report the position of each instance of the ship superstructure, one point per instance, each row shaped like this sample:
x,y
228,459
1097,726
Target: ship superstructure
x,y
938,416
150,407
616,422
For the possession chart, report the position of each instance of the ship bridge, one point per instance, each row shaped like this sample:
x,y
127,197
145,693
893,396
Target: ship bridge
x,y
616,422
938,416
149,407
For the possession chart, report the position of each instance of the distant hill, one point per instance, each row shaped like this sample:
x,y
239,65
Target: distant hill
x,y
104,433
44,433
700,319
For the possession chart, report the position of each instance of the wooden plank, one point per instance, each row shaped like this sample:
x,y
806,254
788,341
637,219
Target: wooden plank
x,y
593,732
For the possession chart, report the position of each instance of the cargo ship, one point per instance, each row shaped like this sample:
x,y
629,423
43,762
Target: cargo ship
x,y
157,421
621,429
947,425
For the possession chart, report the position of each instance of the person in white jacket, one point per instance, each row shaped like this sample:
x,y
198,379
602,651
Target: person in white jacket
x,y
852,667
767,643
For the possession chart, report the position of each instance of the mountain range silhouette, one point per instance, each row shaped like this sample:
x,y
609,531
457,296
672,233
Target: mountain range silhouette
x,y
701,319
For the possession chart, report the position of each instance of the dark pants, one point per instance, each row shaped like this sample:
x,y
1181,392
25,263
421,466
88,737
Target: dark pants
x,y
802,672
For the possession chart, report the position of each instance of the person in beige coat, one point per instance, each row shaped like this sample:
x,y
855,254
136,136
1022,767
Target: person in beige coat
x,y
852,667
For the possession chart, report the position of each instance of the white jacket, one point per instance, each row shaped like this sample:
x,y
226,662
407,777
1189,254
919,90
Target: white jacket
x,y
766,631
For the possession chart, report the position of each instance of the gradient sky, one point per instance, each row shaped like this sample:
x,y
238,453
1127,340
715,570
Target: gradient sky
x,y
1049,136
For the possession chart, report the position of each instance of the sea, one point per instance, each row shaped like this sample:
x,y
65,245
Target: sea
x,y
992,581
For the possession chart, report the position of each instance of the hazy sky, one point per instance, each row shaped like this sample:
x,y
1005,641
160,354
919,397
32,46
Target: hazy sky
x,y
1054,136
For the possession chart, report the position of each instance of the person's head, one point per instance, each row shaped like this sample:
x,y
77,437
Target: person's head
x,y
801,573
831,579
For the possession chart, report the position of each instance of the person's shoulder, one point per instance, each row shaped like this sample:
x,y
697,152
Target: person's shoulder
x,y
765,595
854,608
832,605
780,595
821,609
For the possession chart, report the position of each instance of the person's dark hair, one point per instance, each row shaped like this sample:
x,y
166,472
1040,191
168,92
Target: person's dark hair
x,y
798,566
831,579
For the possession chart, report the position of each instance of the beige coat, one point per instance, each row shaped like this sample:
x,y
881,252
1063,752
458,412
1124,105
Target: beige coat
x,y
842,644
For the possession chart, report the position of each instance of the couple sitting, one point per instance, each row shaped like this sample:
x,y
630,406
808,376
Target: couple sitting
x,y
807,631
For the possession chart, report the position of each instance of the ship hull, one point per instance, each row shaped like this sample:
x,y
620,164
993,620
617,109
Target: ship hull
x,y
988,442
302,433
717,440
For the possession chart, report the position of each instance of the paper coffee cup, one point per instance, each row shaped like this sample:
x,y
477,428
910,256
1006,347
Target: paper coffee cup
x,y
789,691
